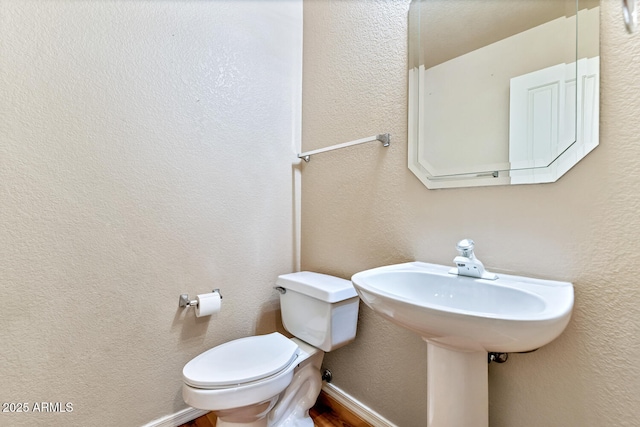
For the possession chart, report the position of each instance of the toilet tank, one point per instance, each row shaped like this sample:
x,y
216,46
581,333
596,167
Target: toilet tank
x,y
319,309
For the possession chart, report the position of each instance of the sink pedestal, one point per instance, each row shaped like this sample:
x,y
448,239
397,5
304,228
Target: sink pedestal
x,y
457,387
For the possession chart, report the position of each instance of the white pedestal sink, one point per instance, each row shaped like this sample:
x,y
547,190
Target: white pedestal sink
x,y
462,319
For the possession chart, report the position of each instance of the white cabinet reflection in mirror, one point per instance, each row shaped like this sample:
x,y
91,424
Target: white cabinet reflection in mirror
x,y
542,120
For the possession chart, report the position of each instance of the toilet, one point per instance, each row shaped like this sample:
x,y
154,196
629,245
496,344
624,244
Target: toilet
x,y
271,380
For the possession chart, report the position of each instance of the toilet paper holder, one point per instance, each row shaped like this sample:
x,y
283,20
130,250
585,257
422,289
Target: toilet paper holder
x,y
184,300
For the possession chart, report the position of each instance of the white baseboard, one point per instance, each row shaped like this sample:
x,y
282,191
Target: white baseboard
x,y
363,411
177,419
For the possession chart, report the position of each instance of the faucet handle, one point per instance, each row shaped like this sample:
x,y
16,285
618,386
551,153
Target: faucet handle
x,y
465,247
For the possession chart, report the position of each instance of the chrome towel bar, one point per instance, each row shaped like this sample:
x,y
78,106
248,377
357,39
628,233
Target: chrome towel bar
x,y
385,138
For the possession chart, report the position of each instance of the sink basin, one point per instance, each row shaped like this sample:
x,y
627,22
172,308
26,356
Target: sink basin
x,y
510,314
461,319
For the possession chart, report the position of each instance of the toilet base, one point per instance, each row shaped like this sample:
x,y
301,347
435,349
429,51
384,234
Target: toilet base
x,y
292,409
258,423
249,416
288,409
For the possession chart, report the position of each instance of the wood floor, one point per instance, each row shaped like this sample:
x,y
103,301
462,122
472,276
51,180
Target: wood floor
x,y
326,413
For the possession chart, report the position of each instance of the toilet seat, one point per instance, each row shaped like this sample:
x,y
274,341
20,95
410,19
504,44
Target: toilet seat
x,y
240,362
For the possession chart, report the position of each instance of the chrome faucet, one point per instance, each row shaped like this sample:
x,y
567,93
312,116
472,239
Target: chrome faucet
x,y
467,264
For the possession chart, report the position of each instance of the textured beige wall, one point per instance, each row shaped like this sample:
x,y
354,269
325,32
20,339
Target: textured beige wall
x,y
145,151
362,208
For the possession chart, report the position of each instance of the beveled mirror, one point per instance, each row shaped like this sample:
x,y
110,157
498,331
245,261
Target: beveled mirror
x,y
501,91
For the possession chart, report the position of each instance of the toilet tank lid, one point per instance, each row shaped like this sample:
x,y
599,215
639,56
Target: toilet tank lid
x,y
320,286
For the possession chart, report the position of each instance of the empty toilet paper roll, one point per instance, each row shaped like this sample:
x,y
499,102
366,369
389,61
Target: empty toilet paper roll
x,y
208,304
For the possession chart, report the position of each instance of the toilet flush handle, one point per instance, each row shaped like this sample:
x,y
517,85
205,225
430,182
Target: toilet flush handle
x,y
280,289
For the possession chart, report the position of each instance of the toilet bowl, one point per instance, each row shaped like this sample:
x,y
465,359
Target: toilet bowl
x,y
271,380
